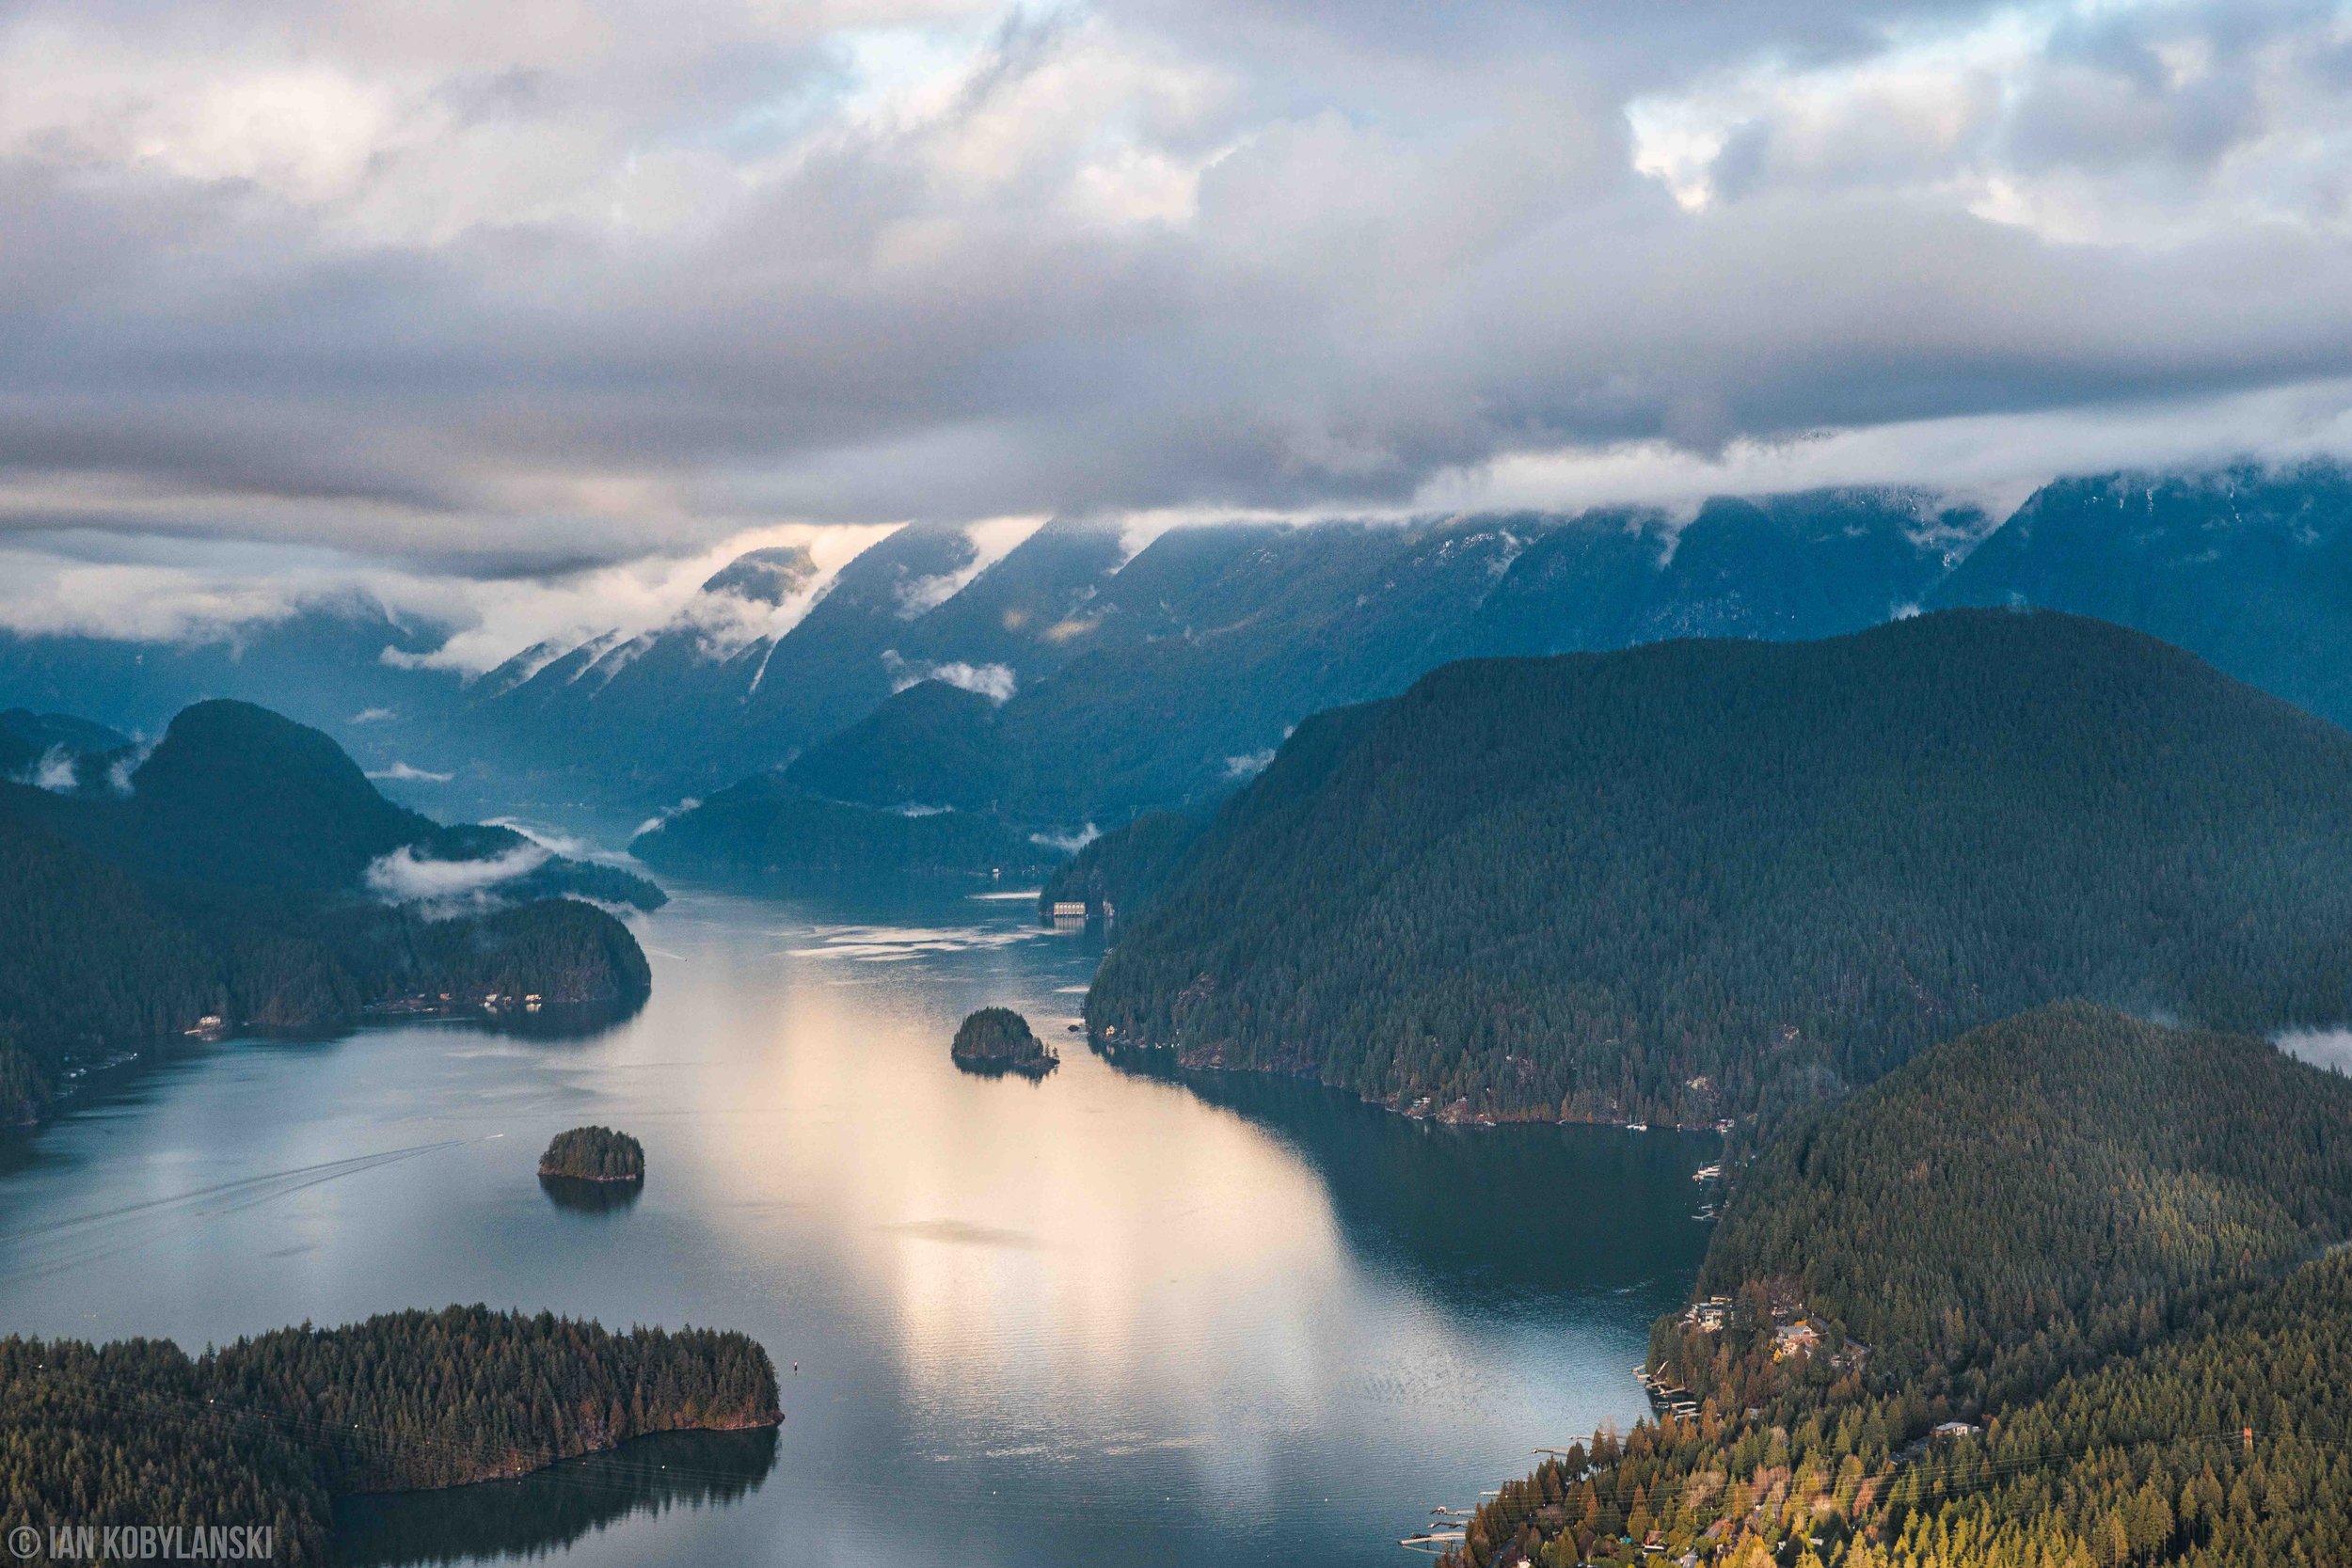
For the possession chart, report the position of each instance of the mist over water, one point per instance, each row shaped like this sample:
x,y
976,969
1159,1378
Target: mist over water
x,y
1104,1317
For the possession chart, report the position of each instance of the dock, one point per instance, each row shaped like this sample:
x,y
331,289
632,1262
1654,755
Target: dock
x,y
1667,1394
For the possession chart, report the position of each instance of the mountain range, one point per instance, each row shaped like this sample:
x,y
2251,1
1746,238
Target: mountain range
x,y
1075,680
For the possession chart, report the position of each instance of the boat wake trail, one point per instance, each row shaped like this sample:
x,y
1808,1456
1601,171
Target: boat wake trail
x,y
34,1251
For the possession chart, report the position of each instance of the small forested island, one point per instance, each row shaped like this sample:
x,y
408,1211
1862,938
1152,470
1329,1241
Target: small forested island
x,y
291,1421
593,1154
998,1040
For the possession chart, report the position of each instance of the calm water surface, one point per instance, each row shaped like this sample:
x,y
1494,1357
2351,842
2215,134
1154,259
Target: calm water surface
x,y
1106,1318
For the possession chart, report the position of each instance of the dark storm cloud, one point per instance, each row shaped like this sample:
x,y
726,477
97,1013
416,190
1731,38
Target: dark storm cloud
x,y
624,277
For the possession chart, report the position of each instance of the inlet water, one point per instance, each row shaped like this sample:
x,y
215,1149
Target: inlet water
x,y
1103,1318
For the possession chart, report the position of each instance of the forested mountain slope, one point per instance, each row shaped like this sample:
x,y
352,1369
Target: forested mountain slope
x,y
50,749
1778,567
933,744
2044,1191
2085,1235
713,695
1131,683
246,869
322,664
235,796
85,956
1128,869
1188,665
2248,567
768,833
1701,878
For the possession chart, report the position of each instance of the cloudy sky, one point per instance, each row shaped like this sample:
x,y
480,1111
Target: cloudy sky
x,y
562,290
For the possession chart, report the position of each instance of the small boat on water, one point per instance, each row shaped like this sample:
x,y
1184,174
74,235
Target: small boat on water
x,y
1637,1126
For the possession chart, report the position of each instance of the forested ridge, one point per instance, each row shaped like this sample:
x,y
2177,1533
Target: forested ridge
x,y
268,1429
228,875
2250,566
2105,1250
1701,879
38,745
1960,1191
1130,869
766,831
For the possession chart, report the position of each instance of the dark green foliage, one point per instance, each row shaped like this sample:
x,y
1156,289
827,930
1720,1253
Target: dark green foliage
x,y
31,742
2147,1459
285,981
766,830
1702,877
998,1036
1175,672
933,744
594,1154
230,882
133,1433
24,1087
2084,1234
1125,870
557,878
2050,1189
86,958
236,794
265,1431
440,1398
236,797
1134,866
2251,569
567,952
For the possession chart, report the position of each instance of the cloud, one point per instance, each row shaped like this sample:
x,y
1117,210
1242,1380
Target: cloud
x,y
532,318
1069,843
2330,1048
992,541
52,770
373,716
996,682
401,877
121,772
164,589
650,823
1992,460
404,774
557,842
1250,764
